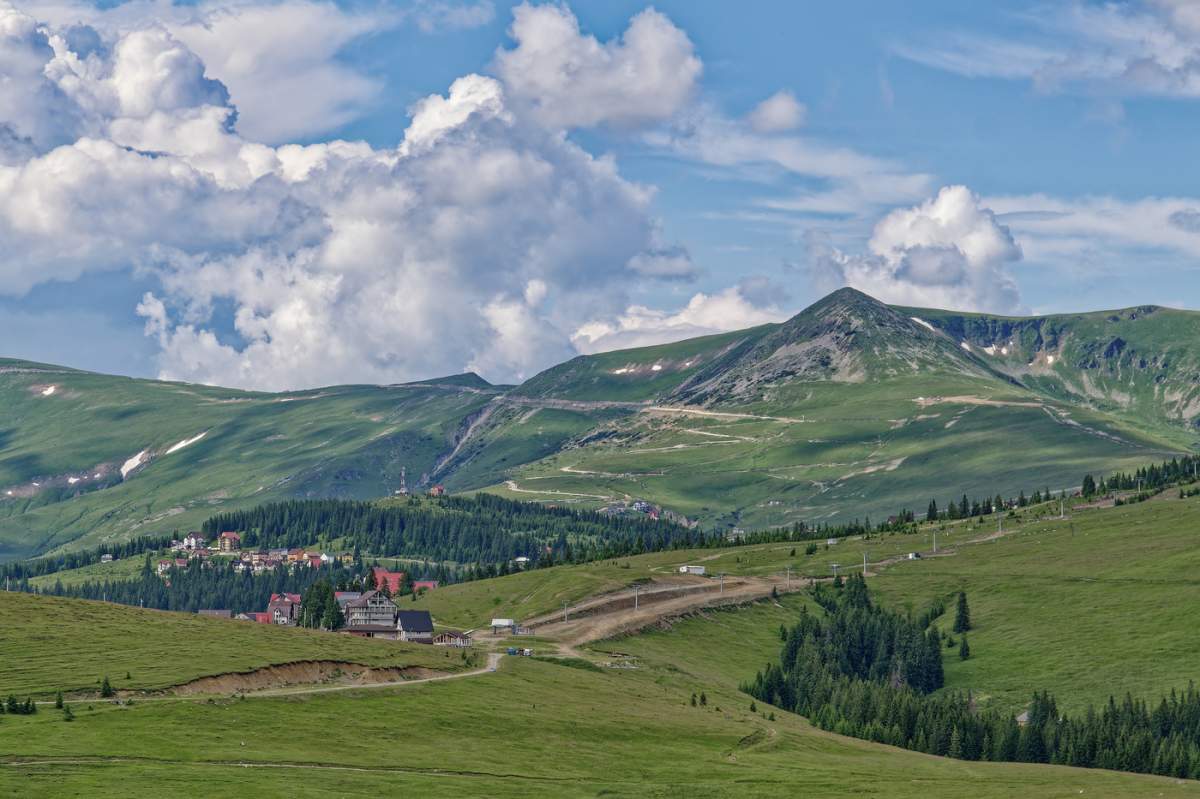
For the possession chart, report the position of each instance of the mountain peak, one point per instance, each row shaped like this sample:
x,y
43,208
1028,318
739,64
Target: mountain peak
x,y
847,336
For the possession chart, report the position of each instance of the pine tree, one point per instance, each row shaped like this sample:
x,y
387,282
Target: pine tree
x,y
68,714
932,513
703,699
956,745
962,614
58,701
1089,487
106,689
964,649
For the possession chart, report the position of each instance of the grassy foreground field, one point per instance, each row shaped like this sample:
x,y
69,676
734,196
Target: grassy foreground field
x,y
534,727
69,645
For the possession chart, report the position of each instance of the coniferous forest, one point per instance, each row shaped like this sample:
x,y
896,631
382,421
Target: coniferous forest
x,y
869,673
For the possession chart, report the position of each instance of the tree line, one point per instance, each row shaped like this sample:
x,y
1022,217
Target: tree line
x,y
848,676
1148,478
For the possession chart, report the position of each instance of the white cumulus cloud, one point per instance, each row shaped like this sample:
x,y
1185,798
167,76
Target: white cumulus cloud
x,y
779,112
568,79
948,252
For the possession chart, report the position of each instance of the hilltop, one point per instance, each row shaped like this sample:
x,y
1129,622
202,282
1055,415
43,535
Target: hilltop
x,y
851,408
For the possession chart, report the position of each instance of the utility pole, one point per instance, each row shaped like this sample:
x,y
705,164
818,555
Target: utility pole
x,y
564,610
835,568
722,582
635,597
789,578
864,564
935,542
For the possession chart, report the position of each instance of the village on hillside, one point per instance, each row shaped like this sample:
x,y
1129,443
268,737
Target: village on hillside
x,y
368,613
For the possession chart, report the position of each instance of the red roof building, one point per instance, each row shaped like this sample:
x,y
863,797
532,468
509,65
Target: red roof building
x,y
425,585
393,580
229,542
283,609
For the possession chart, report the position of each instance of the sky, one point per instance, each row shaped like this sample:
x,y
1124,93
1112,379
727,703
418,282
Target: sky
x,y
280,195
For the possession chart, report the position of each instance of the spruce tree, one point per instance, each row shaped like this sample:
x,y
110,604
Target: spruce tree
x,y
964,649
962,614
106,689
58,701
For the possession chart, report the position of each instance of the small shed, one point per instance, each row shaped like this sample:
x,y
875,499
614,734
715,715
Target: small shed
x,y
504,625
692,570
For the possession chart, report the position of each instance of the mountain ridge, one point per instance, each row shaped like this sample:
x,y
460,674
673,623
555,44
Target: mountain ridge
x,y
850,407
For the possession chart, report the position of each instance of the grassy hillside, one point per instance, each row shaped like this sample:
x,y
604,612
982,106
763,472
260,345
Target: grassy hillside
x,y
67,436
1084,607
70,645
532,728
851,408
1140,363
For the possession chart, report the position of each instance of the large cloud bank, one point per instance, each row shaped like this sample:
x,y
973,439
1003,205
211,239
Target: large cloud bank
x,y
481,241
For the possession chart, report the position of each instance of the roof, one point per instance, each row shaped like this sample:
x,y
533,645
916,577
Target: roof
x,y
454,633
365,599
222,614
415,621
230,534
503,623
285,598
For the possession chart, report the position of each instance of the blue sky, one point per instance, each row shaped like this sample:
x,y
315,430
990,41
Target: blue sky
x,y
603,176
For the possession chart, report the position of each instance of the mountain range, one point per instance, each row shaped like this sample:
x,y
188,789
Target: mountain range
x,y
851,408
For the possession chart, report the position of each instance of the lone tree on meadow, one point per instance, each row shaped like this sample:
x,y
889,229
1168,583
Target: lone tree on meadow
x,y
964,649
106,689
962,615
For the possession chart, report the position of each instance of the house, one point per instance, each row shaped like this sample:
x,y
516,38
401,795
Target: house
x,y
437,491
316,561
216,614
504,625
295,555
195,541
415,626
164,566
425,585
452,638
229,542
372,609
383,577
284,608
106,558
692,570
521,561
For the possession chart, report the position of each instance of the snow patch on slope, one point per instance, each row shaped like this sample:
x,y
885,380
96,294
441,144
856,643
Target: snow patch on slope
x,y
131,464
923,323
186,442
49,390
